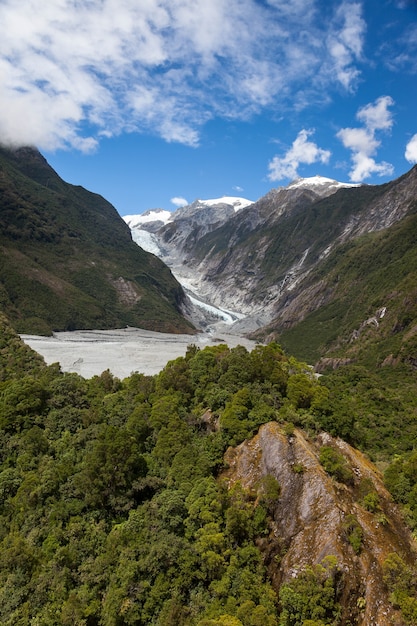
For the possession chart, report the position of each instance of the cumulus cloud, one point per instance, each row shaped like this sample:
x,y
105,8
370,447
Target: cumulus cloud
x,y
363,142
411,150
72,72
377,116
179,202
302,151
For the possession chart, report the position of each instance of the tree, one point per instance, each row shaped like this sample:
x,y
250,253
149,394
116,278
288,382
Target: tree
x,y
335,464
311,595
110,468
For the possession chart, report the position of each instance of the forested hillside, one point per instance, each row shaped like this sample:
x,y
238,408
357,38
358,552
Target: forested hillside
x,y
119,506
67,260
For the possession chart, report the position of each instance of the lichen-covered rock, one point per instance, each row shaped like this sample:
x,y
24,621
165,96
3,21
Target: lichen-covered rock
x,y
316,516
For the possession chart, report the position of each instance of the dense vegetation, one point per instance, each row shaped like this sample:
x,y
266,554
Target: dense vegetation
x,y
67,260
112,509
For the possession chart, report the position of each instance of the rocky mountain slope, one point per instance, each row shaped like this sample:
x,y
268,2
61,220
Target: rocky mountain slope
x,y
174,236
258,257
358,300
217,252
282,261
68,260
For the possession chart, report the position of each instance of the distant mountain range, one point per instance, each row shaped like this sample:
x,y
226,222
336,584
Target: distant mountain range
x,y
328,269
67,260
309,264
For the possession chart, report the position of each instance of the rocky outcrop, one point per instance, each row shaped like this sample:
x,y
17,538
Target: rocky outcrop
x,y
314,513
398,198
331,363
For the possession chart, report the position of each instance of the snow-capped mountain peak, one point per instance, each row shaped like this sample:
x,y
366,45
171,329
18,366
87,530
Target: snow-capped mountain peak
x,y
162,216
152,215
316,182
236,203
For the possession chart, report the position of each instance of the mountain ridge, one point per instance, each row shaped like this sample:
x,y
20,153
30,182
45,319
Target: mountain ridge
x,y
268,262
68,260
189,237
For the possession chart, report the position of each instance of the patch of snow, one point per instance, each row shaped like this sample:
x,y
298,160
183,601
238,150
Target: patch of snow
x,y
319,181
381,312
236,203
153,215
147,241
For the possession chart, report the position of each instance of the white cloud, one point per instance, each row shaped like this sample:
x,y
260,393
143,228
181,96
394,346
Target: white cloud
x,y
179,202
358,140
72,72
411,150
302,151
364,166
345,43
377,116
364,144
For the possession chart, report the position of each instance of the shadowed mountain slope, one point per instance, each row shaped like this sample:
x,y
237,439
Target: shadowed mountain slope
x,y
359,301
262,254
67,260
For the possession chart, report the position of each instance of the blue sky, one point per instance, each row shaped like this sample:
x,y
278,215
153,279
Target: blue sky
x,y
154,103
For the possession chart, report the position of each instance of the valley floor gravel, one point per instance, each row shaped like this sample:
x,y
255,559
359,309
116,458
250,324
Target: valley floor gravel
x,y
123,351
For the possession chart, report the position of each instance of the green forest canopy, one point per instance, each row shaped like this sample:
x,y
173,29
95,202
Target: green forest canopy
x,y
111,508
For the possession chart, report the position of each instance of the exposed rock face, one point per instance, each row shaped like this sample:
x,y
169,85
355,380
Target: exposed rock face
x,y
310,518
127,290
263,261
191,223
259,262
227,259
328,363
276,243
387,209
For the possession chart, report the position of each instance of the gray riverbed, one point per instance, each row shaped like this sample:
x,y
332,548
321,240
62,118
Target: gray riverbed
x,y
123,351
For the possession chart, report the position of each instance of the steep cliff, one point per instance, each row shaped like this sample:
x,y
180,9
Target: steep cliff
x,y
317,515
